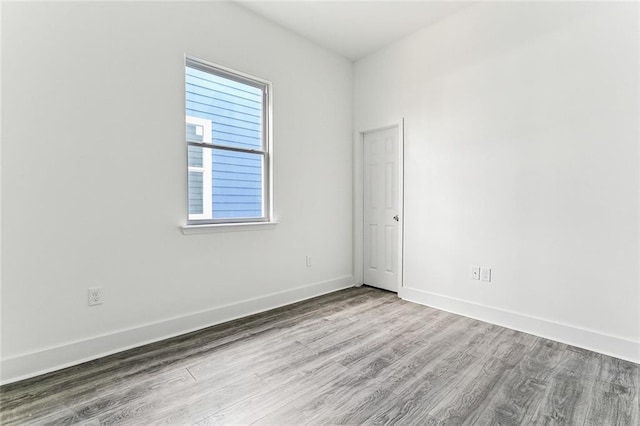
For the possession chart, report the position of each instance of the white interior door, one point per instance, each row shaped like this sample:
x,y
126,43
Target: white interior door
x,y
381,155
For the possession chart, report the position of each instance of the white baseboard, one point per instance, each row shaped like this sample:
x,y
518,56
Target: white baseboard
x,y
598,342
50,359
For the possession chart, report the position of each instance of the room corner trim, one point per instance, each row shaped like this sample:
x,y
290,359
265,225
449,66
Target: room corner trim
x,y
46,360
588,339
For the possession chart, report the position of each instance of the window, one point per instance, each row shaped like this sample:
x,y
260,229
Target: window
x,y
227,134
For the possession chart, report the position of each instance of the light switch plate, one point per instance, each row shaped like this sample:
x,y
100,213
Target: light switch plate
x,y
485,274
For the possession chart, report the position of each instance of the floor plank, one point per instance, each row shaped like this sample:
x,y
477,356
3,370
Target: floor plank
x,y
522,389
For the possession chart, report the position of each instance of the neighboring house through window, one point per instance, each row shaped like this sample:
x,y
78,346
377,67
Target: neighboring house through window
x,y
227,133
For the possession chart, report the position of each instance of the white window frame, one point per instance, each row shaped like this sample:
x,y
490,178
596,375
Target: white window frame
x,y
205,219
205,170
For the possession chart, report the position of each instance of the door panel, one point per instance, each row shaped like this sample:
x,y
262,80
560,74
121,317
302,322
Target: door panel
x,y
381,198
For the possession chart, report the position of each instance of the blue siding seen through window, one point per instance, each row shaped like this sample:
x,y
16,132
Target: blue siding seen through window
x,y
237,184
235,111
234,108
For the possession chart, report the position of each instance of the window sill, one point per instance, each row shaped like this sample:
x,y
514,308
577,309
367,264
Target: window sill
x,y
227,227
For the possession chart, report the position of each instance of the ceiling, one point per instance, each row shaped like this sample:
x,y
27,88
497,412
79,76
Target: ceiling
x,y
354,28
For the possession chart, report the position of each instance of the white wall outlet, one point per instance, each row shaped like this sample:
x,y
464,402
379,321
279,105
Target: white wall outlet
x,y
485,274
308,261
95,296
475,272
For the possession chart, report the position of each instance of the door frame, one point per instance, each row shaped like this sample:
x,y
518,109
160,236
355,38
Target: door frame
x,y
358,203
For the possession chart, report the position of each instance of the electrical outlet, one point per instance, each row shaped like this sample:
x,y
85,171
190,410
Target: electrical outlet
x,y
485,274
95,296
475,272
308,261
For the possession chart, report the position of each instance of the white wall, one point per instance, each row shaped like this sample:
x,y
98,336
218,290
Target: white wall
x,y
93,177
521,153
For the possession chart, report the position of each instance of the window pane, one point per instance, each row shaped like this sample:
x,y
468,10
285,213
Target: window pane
x,y
235,109
194,154
195,193
195,133
237,184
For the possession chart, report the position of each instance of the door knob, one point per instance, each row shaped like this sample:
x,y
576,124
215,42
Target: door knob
x,y
396,218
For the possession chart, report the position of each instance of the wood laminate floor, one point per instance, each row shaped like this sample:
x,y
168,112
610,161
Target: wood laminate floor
x,y
357,356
